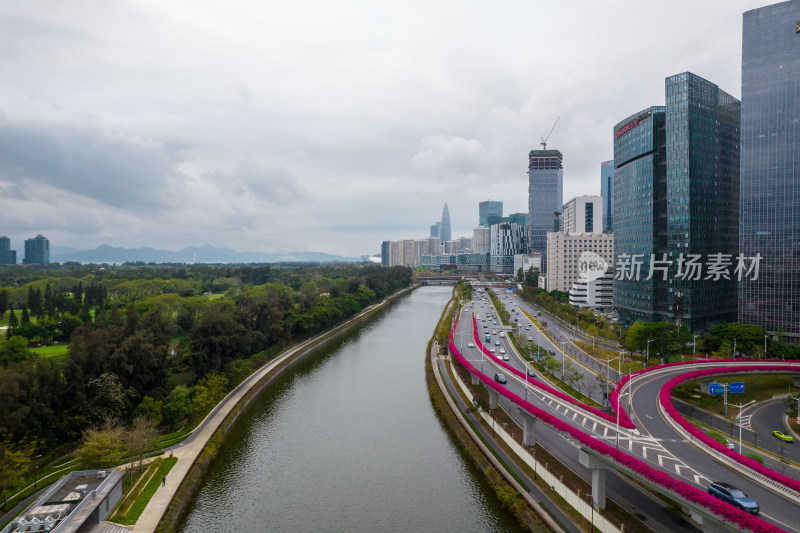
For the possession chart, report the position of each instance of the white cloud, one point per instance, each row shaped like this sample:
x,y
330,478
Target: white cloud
x,y
320,125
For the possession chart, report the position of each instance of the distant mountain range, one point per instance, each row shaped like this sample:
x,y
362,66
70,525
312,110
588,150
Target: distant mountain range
x,y
192,254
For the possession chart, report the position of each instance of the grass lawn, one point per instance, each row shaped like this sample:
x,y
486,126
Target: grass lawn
x,y
757,387
134,503
214,296
56,349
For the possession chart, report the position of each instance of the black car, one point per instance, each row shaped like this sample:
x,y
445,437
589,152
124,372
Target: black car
x,y
733,496
531,373
500,378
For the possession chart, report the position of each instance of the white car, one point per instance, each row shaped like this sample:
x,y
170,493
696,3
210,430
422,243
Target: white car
x,y
491,350
530,339
502,350
505,357
471,345
497,343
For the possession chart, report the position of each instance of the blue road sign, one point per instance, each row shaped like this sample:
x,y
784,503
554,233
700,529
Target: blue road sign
x,y
716,388
736,387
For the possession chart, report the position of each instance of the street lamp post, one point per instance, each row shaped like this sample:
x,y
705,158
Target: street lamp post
x,y
694,344
741,406
619,408
765,349
608,380
734,347
647,361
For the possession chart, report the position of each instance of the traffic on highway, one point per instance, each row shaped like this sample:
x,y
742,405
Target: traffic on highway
x,y
654,440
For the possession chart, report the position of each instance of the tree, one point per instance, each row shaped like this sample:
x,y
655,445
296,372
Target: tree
x,y
725,349
520,275
12,319
139,439
179,407
3,302
532,277
108,399
14,350
207,393
14,461
149,409
26,319
102,447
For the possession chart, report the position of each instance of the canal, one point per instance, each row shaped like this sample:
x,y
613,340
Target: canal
x,y
349,441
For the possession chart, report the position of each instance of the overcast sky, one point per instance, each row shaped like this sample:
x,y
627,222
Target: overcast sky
x,y
323,126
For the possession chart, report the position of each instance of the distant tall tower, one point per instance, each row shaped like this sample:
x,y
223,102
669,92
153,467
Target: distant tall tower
x,y
769,211
445,229
37,251
545,198
436,230
607,192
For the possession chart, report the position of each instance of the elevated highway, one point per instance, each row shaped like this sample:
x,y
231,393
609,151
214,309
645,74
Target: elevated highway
x,y
655,440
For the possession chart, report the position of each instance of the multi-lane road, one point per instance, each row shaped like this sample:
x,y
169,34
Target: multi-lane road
x,y
657,444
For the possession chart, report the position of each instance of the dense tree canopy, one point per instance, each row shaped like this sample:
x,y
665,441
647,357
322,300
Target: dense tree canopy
x,y
157,342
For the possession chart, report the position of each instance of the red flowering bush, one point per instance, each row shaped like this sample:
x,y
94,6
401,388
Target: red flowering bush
x,y
728,512
624,421
665,396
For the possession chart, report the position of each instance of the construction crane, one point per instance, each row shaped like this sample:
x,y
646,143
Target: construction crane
x,y
544,139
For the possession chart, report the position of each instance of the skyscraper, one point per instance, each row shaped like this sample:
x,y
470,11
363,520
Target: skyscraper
x,y
37,251
676,196
545,197
436,230
607,192
583,214
770,180
703,133
7,255
489,213
640,190
445,228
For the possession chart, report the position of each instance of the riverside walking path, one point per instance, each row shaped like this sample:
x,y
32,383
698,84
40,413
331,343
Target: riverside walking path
x,y
188,451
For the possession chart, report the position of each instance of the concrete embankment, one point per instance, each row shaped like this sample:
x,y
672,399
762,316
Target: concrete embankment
x,y
171,499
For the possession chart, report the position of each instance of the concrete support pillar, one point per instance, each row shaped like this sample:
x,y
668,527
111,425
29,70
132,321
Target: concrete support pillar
x,y
493,396
475,379
528,427
598,469
704,383
796,381
599,487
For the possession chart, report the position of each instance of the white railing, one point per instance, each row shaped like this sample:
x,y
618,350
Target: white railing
x,y
730,462
574,500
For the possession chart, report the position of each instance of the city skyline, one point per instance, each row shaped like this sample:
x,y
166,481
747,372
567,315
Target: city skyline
x,y
264,129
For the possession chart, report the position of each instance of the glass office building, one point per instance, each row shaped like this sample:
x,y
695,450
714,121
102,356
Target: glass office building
x,y
607,193
489,213
770,171
640,185
545,198
676,195
703,132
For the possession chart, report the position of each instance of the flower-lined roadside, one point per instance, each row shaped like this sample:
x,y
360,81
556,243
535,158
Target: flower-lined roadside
x,y
624,420
665,397
728,512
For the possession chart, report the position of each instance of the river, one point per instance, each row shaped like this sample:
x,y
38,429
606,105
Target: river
x,y
348,441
